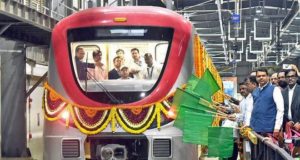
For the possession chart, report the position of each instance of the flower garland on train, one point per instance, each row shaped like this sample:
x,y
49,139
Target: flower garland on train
x,y
92,120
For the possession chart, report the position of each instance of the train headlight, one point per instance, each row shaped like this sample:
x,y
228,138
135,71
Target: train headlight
x,y
106,153
142,94
65,115
172,113
111,152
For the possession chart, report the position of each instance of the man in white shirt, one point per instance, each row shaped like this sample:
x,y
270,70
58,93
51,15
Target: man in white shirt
x,y
274,79
251,84
282,83
243,105
152,70
137,65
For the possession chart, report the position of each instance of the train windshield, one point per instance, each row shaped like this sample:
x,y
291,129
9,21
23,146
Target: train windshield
x,y
118,60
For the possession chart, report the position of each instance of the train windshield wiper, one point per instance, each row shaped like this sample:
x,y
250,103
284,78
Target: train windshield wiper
x,y
109,95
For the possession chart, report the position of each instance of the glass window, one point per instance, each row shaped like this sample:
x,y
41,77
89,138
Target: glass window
x,y
112,61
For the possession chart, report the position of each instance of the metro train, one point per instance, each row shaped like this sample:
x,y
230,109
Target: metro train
x,y
101,104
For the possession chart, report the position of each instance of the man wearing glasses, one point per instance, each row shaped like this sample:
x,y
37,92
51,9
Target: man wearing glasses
x,y
291,100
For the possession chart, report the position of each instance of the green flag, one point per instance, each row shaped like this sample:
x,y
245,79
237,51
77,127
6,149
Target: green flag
x,y
186,98
191,84
206,103
190,103
190,100
182,116
220,142
206,86
196,127
180,98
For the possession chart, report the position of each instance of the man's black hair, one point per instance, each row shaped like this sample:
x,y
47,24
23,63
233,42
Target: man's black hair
x,y
262,70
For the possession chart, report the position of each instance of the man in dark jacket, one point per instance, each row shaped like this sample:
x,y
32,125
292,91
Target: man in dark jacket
x,y
291,100
82,66
115,73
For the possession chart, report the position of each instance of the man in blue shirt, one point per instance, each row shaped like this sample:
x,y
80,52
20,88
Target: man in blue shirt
x,y
268,108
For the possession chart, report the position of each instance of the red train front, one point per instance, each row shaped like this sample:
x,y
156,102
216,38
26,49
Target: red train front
x,y
111,78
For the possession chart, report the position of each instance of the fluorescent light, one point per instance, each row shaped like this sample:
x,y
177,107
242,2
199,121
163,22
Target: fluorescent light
x,y
258,10
297,45
130,32
120,31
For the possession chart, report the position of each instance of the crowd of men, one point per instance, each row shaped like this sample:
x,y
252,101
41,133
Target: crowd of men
x,y
123,69
270,105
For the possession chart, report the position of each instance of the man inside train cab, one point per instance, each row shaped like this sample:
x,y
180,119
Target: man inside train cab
x,y
136,65
115,73
121,53
125,73
82,66
152,70
268,108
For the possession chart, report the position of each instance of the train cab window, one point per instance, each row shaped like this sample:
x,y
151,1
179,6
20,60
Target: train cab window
x,y
109,63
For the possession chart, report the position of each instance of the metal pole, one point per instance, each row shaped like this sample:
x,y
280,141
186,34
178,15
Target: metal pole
x,y
0,107
36,84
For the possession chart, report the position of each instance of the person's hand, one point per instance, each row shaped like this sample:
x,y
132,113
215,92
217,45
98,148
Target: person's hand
x,y
244,126
133,71
297,126
290,123
222,109
236,109
232,117
276,133
294,67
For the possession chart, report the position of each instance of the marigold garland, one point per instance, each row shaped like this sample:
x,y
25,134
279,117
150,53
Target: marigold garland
x,y
96,130
99,118
54,104
52,114
158,120
140,130
216,121
138,122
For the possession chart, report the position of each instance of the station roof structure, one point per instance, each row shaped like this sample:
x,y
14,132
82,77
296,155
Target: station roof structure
x,y
30,23
265,32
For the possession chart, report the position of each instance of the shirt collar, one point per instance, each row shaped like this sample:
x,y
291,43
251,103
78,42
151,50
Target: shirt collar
x,y
290,89
249,95
261,88
139,62
150,66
